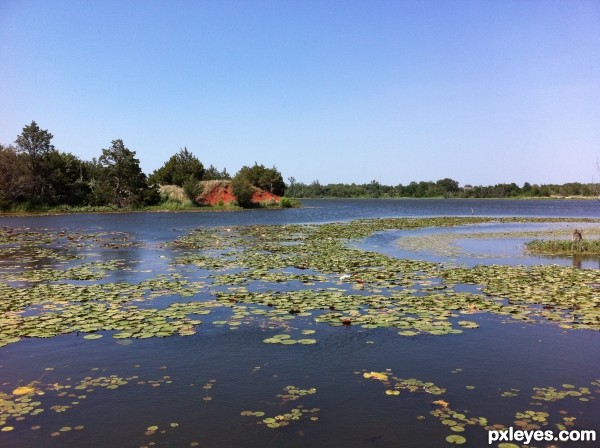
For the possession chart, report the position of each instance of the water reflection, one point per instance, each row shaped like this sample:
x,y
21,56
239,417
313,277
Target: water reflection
x,y
580,261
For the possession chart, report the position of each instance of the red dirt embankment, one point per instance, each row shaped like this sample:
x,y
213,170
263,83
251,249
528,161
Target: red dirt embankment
x,y
219,191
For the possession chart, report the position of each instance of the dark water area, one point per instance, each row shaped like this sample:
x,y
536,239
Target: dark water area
x,y
167,377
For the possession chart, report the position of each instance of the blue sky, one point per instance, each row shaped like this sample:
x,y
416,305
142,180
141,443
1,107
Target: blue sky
x,y
480,91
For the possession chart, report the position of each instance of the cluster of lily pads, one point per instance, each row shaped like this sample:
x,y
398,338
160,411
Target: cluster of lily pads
x,y
286,339
457,420
282,419
29,400
207,387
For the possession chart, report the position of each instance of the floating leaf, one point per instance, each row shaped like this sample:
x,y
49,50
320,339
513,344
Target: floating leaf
x,y
92,336
456,439
23,390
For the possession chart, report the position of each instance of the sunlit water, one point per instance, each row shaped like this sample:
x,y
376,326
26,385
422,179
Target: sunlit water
x,y
501,355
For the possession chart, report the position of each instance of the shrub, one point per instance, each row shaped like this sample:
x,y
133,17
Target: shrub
x,y
192,189
242,190
289,203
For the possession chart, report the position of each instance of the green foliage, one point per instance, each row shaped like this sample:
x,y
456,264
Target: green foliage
x,y
151,195
179,169
268,179
563,247
15,178
35,144
289,203
447,186
442,188
34,176
213,173
242,190
192,189
67,179
120,180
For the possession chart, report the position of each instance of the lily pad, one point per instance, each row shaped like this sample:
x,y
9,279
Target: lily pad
x,y
456,439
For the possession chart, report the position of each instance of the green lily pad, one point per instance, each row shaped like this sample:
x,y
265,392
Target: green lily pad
x,y
92,336
456,439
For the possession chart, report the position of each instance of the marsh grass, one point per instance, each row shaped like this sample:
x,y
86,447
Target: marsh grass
x,y
563,247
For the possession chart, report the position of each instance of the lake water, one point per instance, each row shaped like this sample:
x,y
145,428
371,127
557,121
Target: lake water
x,y
202,389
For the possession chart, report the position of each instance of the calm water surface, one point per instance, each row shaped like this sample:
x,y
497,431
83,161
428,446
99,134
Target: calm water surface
x,y
248,374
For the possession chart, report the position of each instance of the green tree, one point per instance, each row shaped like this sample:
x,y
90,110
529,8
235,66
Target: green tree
x,y
212,173
192,189
242,189
448,186
180,168
119,178
15,177
68,179
268,179
373,189
36,144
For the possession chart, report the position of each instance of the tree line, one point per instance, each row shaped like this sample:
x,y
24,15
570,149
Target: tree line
x,y
34,174
447,188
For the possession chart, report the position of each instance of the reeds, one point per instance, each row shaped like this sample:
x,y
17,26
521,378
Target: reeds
x,y
563,247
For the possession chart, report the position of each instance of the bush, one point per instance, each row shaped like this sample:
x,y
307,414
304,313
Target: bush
x,y
151,196
289,203
192,189
242,190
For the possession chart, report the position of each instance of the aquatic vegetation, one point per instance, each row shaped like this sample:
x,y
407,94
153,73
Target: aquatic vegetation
x,y
457,420
285,339
87,271
299,412
568,247
295,266
31,400
293,284
395,384
207,387
292,393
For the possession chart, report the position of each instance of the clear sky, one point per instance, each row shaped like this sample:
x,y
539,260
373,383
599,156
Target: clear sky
x,y
481,91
